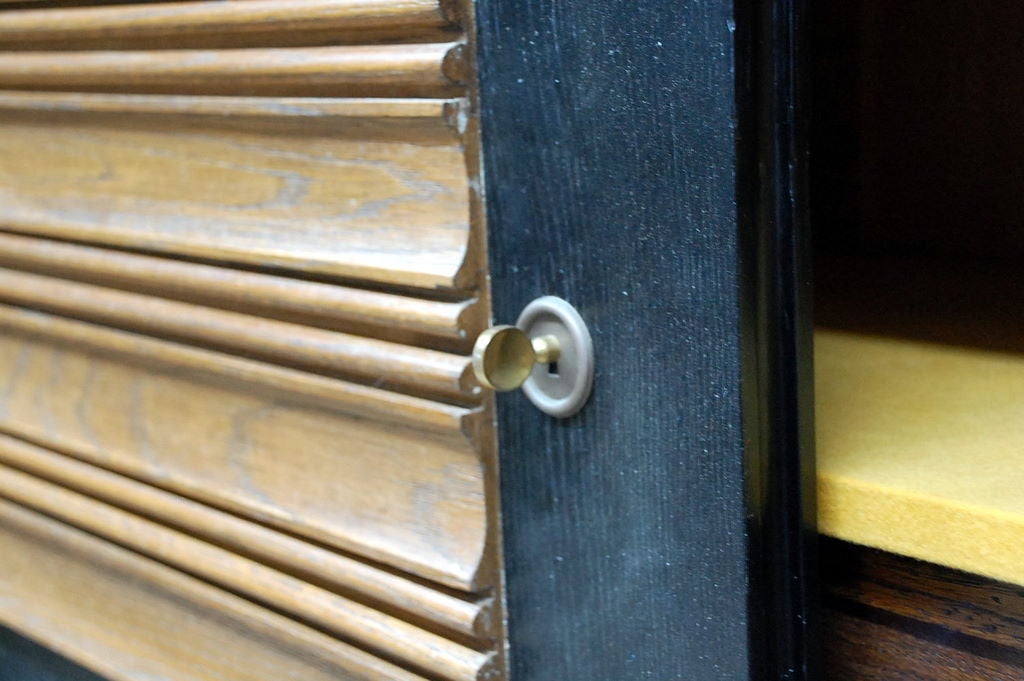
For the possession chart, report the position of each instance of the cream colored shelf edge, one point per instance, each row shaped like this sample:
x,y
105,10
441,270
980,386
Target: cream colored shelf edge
x,y
921,450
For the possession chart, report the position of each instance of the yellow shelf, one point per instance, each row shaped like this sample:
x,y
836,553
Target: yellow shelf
x,y
921,450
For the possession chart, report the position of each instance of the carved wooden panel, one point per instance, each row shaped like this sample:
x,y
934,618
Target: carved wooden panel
x,y
241,265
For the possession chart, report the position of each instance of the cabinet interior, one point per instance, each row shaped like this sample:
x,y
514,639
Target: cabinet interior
x,y
917,185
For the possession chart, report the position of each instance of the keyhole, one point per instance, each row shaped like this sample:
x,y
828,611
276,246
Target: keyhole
x,y
553,369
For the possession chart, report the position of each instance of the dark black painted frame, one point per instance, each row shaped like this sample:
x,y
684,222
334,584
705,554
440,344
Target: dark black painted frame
x,y
774,204
645,161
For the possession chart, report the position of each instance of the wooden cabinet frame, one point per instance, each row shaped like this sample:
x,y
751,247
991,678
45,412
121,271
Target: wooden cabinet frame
x,y
644,163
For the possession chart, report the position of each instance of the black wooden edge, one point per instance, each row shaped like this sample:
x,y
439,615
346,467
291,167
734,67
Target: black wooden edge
x,y
646,163
643,162
772,91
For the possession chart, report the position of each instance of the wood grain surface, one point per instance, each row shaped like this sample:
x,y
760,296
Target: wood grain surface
x,y
894,618
302,559
393,212
216,428
414,321
859,650
414,120
112,610
241,23
241,270
383,364
339,615
421,70
927,593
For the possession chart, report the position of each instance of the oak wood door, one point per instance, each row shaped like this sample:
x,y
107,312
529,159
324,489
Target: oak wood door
x,y
241,267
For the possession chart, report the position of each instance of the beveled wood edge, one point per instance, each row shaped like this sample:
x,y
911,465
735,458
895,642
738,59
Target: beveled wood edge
x,y
300,558
456,432
220,603
464,116
460,279
340,108
365,312
379,632
432,70
217,24
421,121
391,366
473,575
358,400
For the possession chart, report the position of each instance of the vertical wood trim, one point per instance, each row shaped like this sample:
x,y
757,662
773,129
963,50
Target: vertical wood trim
x,y
643,171
610,169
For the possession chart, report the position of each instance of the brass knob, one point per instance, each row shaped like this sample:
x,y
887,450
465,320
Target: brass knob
x,y
504,356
